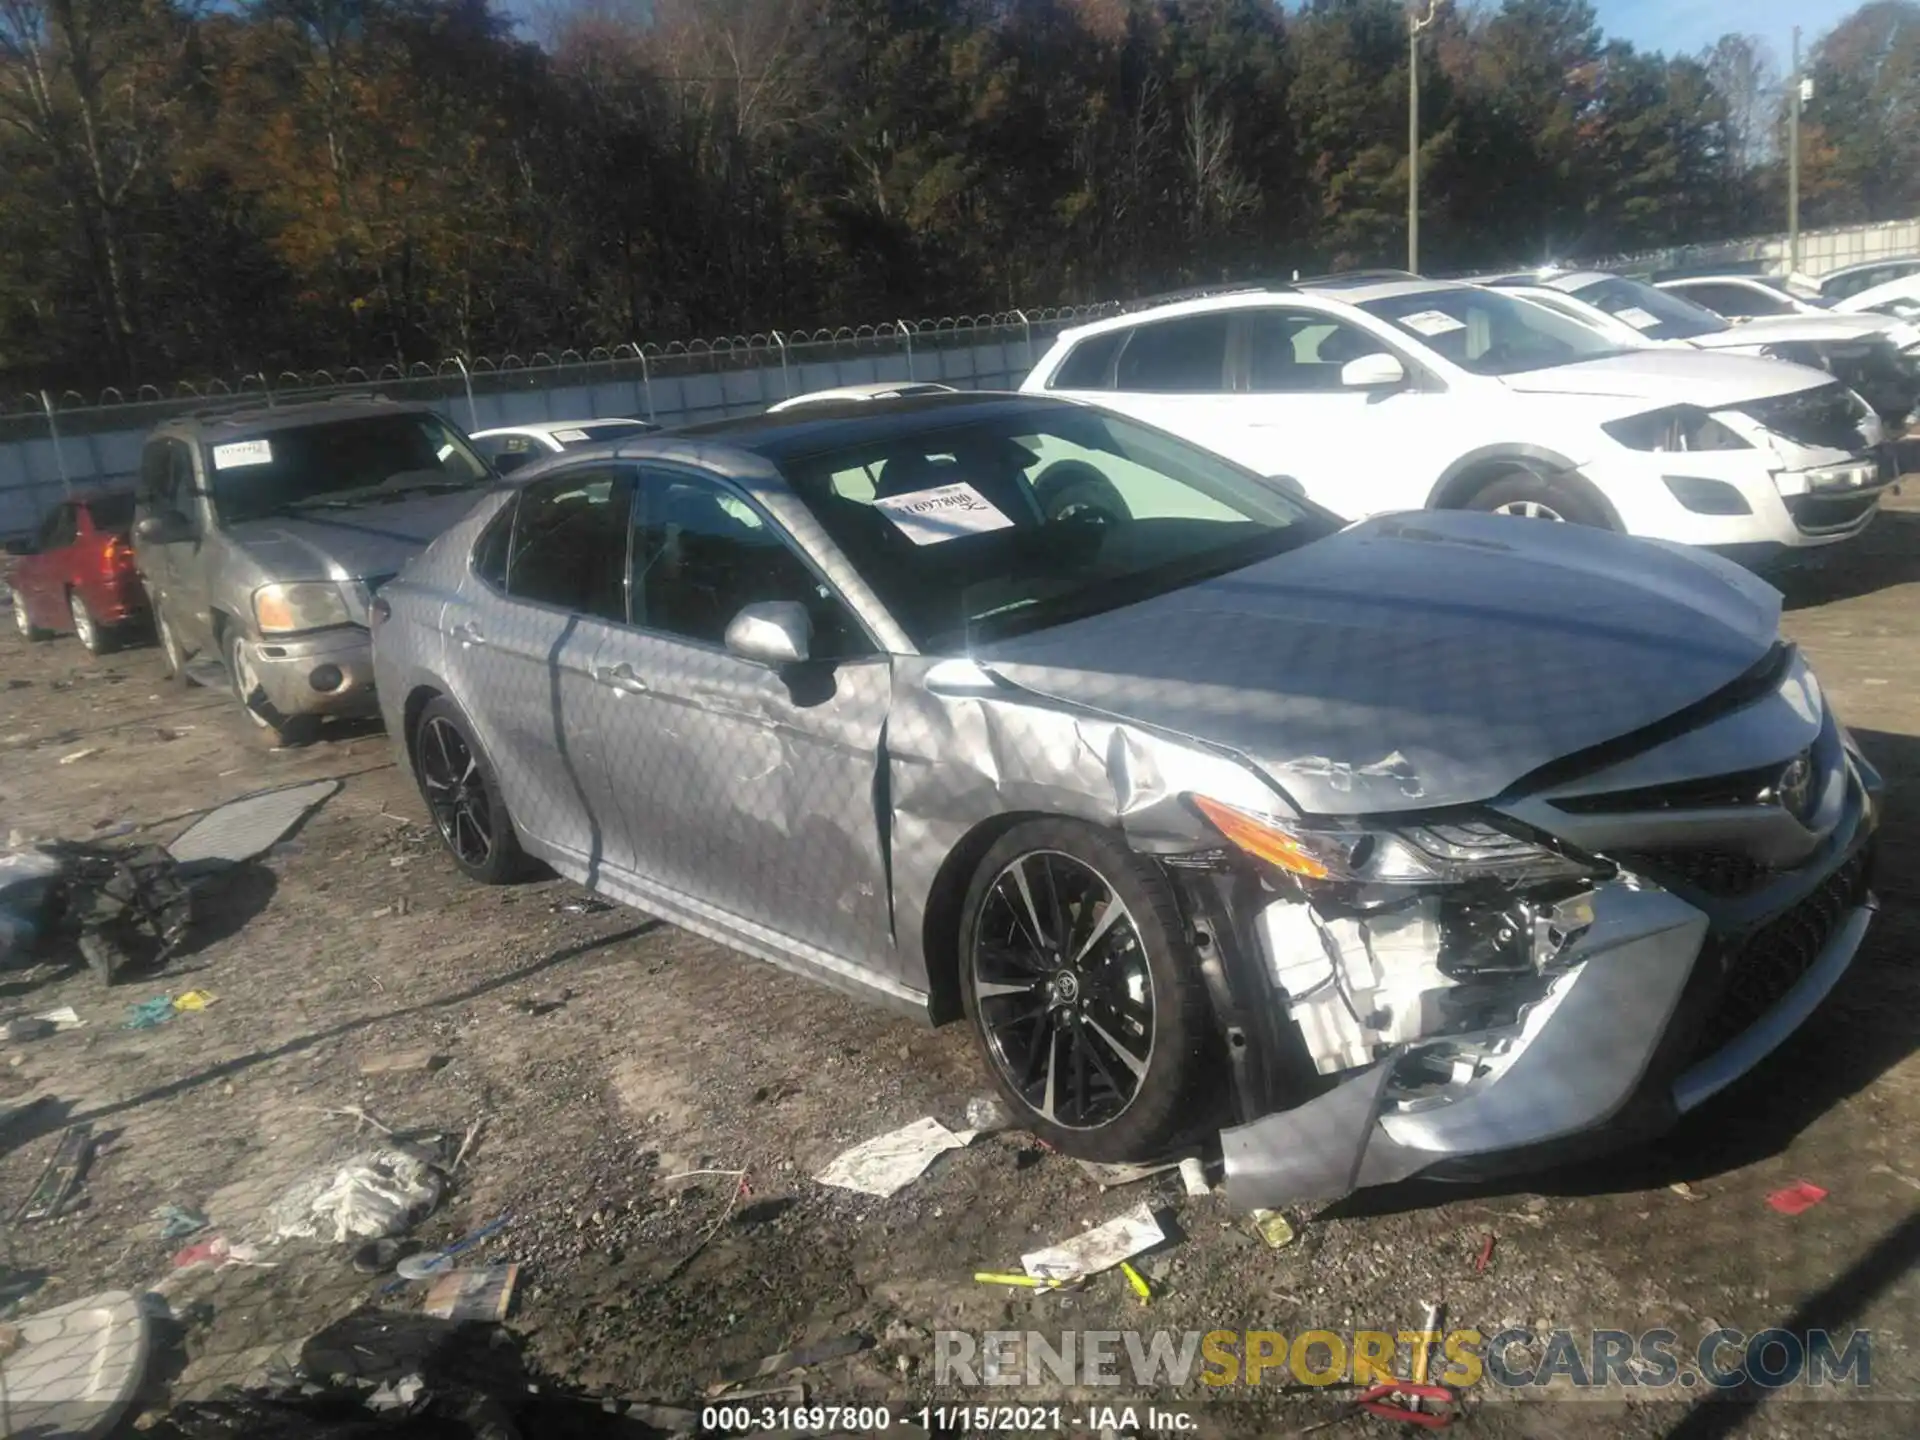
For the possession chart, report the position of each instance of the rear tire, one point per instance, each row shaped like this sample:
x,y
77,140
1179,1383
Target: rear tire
x,y
1539,497
1094,1024
24,623
462,794
97,639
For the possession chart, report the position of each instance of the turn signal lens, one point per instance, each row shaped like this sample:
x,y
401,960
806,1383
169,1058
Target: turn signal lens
x,y
1260,840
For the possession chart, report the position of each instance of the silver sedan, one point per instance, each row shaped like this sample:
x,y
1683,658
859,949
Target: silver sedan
x,y
1438,842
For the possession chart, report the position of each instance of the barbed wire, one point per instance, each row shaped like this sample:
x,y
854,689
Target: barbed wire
x,y
674,354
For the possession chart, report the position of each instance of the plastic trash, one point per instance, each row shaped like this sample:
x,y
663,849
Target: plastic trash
x,y
377,1193
1100,1248
889,1162
987,1116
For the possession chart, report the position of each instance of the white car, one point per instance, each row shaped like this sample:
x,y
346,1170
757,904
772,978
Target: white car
x,y
508,447
1899,298
1843,284
872,390
1377,393
1746,298
1864,351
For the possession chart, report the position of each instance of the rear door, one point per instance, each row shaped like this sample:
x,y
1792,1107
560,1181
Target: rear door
x,y
521,633
1171,373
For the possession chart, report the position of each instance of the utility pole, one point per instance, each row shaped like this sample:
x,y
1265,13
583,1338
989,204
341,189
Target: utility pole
x,y
1793,159
1415,25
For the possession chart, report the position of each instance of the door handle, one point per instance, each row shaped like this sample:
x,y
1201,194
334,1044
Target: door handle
x,y
620,677
468,634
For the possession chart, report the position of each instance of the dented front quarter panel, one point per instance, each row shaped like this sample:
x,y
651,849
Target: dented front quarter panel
x,y
966,748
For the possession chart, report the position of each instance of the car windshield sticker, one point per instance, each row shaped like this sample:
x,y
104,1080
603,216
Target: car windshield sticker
x,y
945,512
1432,322
568,437
1637,318
443,451
242,452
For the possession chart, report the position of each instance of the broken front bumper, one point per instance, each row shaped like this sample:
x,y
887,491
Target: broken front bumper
x,y
1610,1048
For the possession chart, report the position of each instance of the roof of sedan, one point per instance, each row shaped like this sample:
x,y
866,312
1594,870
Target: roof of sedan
x,y
832,424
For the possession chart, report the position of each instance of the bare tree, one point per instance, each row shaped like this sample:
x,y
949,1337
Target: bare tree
x,y
1742,69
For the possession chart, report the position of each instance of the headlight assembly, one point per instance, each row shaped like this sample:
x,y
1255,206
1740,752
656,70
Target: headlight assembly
x,y
1437,853
1678,428
306,605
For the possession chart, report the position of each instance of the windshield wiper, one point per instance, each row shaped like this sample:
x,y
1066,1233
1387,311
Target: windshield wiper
x,y
367,494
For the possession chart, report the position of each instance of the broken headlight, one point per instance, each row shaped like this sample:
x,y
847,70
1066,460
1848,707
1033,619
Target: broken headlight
x,y
1678,428
1438,852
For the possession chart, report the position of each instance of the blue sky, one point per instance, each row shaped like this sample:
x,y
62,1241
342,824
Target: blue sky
x,y
1694,24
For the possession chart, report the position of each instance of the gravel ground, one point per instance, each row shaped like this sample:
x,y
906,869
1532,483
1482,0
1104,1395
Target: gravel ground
x,y
600,1052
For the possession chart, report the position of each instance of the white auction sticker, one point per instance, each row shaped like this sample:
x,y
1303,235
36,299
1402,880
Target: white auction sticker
x,y
569,437
945,512
1637,318
242,452
1432,322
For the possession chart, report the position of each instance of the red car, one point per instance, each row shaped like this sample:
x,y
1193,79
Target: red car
x,y
78,574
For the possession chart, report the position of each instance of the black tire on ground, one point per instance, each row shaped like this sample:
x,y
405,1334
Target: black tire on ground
x,y
1522,492
1081,1052
462,794
28,630
97,639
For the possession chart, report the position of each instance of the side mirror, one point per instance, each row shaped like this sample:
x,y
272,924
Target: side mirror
x,y
19,547
167,528
773,632
1373,372
1287,485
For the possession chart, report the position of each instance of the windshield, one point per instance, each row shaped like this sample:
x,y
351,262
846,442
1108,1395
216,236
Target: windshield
x,y
1656,314
340,463
999,527
1489,333
111,512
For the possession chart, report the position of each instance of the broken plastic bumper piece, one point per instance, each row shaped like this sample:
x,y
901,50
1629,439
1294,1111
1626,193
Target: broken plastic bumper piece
x,y
1569,1063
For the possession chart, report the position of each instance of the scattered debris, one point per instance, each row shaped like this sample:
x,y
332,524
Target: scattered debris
x,y
1100,1248
1486,1254
887,1163
145,1014
987,1116
1796,1198
1111,1176
1025,1282
125,908
219,1251
578,906
27,1027
788,1360
380,1192
1272,1227
1900,1175
376,1257
403,1062
537,1005
484,1294
1137,1281
79,755
179,1221
27,878
1193,1176
76,1368
66,1167
194,1000
1685,1191
427,1264
245,829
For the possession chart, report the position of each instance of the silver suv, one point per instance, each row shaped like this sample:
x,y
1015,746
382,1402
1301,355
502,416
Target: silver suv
x,y
263,532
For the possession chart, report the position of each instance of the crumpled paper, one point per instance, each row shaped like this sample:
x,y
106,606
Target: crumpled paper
x,y
890,1162
377,1193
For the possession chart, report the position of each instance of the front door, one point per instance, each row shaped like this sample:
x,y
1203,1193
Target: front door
x,y
739,786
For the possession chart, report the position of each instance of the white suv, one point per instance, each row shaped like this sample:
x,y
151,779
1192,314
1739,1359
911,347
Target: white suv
x,y
1384,392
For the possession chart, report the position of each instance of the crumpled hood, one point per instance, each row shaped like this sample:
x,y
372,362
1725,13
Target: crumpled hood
x,y
1415,660
374,539
1669,376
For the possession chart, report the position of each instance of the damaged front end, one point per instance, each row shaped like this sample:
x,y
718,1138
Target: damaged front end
x,y
1464,994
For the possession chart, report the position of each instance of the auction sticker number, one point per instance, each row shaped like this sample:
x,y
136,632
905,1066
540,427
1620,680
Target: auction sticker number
x,y
838,1419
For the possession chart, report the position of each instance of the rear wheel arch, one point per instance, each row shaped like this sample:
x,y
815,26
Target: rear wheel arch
x,y
411,710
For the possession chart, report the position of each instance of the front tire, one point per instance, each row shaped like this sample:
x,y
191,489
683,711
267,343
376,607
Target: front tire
x,y
23,622
1531,496
1084,993
463,796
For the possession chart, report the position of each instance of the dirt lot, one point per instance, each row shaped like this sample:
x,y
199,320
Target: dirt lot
x,y
357,941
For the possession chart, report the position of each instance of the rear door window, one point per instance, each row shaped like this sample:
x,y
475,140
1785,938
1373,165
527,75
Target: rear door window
x,y
1185,356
